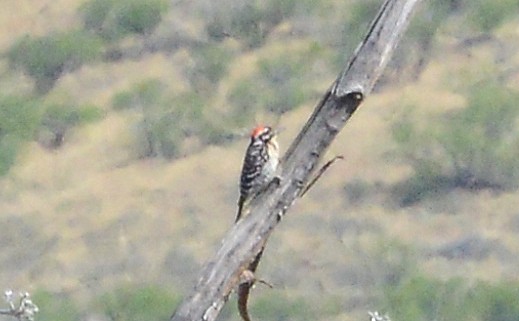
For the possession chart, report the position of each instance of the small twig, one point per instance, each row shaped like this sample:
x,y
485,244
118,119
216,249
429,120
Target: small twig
x,y
265,283
319,174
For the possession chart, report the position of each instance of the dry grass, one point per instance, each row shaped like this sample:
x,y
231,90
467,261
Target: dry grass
x,y
18,18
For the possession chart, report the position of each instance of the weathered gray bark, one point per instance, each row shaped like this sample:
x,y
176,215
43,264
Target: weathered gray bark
x,y
245,239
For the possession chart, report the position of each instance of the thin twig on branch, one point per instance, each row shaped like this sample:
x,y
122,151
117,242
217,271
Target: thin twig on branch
x,y
319,174
247,238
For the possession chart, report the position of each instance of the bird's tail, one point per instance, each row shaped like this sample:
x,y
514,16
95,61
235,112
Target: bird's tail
x,y
241,201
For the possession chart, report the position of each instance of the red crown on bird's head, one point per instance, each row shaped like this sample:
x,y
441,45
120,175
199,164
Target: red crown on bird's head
x,y
258,130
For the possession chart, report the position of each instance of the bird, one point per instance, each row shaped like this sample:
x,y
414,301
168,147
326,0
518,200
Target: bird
x,y
259,165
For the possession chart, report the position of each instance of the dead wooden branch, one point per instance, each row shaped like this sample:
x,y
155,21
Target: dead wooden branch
x,y
247,238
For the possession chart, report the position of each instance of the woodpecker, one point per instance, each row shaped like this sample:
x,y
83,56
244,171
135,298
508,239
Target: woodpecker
x,y
260,164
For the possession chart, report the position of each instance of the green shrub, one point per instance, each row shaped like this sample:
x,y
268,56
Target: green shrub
x,y
246,24
69,116
357,191
276,306
187,113
187,117
154,134
240,20
167,120
46,58
415,49
495,302
277,10
390,262
209,66
137,303
95,12
57,119
252,21
486,15
352,27
279,86
360,15
19,119
431,15
285,77
245,101
114,19
55,307
139,17
476,147
9,146
140,95
422,298
23,119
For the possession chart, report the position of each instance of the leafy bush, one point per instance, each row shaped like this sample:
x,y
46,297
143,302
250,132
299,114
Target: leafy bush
x,y
19,119
114,19
252,21
487,15
19,116
167,120
422,298
46,58
423,28
243,21
281,307
476,147
357,17
209,66
495,302
190,119
95,12
57,119
22,119
245,101
357,190
415,49
153,133
141,95
136,303
54,307
68,116
280,85
285,77
9,147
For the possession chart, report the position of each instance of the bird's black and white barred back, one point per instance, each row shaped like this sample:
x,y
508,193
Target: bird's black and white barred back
x,y
260,164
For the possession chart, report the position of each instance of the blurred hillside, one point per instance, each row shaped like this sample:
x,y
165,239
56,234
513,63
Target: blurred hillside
x,y
122,130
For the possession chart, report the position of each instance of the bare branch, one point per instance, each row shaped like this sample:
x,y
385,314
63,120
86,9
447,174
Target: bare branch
x,y
247,238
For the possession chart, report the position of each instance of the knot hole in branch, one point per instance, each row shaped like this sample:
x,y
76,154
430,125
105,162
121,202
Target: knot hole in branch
x,y
349,103
353,98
